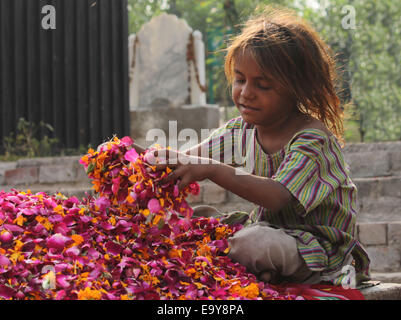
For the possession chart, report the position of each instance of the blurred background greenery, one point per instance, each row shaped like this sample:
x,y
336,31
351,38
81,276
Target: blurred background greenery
x,y
368,51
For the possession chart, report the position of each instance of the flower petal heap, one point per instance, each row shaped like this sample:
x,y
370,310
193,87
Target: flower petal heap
x,y
134,240
127,179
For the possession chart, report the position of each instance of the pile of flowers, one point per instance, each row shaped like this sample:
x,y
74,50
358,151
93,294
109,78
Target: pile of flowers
x,y
134,240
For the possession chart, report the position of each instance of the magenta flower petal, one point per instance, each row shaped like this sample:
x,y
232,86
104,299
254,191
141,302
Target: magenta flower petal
x,y
62,281
114,248
131,155
4,261
6,236
73,251
6,292
60,295
116,185
58,241
107,225
194,188
102,203
127,141
176,191
154,205
13,228
61,228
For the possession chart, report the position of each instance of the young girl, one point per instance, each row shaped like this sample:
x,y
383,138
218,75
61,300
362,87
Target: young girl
x,y
282,76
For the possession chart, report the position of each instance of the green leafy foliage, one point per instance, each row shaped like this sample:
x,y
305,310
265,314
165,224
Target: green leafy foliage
x,y
24,143
365,35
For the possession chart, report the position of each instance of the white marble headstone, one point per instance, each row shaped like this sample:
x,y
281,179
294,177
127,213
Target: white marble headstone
x,y
160,75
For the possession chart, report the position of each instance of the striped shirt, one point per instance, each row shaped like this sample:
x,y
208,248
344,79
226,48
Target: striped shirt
x,y
311,166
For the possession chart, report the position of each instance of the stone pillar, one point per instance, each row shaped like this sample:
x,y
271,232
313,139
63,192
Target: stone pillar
x,y
133,70
198,97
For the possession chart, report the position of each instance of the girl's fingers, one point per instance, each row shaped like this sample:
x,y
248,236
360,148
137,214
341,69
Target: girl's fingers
x,y
174,175
184,182
163,166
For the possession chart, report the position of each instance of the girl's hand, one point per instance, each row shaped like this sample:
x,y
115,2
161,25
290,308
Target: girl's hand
x,y
186,168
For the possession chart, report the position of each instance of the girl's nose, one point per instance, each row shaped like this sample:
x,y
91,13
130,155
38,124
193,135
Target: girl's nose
x,y
247,91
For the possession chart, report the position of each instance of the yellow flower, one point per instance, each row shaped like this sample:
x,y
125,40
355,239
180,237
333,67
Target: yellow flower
x,y
221,232
18,245
112,220
78,239
130,199
251,291
59,210
45,222
89,294
20,220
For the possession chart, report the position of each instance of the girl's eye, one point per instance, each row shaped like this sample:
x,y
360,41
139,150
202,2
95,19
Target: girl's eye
x,y
239,80
264,87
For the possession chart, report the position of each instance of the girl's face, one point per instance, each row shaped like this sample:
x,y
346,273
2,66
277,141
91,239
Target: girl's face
x,y
260,100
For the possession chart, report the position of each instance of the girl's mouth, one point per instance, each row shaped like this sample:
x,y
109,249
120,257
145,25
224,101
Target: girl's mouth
x,y
247,108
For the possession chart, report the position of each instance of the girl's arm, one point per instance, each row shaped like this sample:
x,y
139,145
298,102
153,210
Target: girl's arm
x,y
260,190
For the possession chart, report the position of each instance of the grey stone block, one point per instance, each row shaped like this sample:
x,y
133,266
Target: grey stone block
x,y
367,187
57,173
368,164
22,176
375,146
81,174
391,187
186,117
395,161
4,166
384,258
394,233
380,209
372,233
37,162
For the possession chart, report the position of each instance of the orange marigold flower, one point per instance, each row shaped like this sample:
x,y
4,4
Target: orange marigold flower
x,y
89,294
78,239
20,220
59,209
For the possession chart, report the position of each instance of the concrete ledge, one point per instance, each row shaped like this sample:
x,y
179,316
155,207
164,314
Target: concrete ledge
x,y
383,291
387,277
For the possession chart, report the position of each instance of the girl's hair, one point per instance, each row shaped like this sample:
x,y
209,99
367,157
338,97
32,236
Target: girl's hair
x,y
290,51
